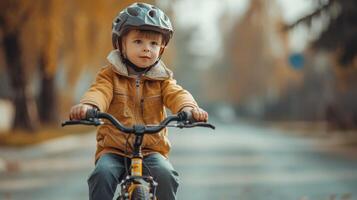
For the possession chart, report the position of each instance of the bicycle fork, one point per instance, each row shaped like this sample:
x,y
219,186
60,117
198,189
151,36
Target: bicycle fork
x,y
136,178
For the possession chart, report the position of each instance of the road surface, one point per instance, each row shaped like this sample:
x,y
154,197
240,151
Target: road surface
x,y
236,161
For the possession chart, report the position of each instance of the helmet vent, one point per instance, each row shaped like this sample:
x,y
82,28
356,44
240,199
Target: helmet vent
x,y
133,11
152,13
141,5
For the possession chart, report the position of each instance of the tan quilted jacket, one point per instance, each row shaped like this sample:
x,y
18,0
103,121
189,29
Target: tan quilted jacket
x,y
135,100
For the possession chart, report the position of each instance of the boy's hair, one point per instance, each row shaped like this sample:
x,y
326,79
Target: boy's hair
x,y
145,33
141,16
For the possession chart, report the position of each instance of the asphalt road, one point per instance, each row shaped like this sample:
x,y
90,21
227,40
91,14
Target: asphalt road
x,y
236,161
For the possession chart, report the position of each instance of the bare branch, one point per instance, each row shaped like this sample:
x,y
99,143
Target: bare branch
x,y
308,18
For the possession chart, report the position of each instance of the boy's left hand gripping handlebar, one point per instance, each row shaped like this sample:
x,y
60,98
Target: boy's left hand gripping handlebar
x,y
190,122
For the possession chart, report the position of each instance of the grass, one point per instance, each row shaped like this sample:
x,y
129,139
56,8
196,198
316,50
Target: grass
x,y
21,138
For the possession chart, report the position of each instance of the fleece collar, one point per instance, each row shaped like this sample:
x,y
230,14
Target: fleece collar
x,y
157,72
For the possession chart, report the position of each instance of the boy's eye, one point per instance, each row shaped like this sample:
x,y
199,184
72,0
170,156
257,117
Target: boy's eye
x,y
154,43
137,41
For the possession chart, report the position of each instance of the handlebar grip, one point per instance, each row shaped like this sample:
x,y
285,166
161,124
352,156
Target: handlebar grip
x,y
83,122
206,125
71,122
201,124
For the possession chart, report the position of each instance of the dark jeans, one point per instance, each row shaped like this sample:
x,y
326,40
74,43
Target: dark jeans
x,y
110,169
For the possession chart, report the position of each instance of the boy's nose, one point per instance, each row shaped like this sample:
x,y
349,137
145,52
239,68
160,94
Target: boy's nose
x,y
146,47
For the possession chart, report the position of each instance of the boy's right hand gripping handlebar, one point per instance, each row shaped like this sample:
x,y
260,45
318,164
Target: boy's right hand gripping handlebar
x,y
91,119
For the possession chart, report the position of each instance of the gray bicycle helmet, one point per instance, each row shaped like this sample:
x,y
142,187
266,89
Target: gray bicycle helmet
x,y
142,16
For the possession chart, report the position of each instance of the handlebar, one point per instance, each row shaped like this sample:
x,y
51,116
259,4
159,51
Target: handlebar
x,y
183,119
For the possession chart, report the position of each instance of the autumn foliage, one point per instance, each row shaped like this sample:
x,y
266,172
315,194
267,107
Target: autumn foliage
x,y
41,39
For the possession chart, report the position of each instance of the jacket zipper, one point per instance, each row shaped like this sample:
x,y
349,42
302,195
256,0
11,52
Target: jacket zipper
x,y
142,108
137,83
137,96
139,99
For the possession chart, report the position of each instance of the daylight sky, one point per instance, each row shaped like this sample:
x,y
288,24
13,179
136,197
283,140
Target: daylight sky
x,y
204,14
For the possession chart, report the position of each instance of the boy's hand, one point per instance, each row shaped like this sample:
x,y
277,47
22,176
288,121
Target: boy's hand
x,y
79,111
198,114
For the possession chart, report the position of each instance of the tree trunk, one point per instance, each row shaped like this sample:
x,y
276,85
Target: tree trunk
x,y
47,98
26,110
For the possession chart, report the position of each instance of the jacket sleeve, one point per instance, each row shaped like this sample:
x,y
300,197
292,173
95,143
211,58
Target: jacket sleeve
x,y
100,93
175,97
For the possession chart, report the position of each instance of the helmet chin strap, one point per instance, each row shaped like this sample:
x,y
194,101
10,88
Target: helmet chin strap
x,y
128,63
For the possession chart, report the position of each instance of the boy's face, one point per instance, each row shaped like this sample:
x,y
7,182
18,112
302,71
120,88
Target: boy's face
x,y
142,48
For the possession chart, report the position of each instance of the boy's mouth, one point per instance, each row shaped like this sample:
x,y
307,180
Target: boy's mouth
x,y
147,57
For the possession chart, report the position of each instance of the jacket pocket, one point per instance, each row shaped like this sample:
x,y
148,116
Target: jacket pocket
x,y
121,108
153,113
153,109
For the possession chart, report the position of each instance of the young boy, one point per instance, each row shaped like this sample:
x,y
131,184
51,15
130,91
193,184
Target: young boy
x,y
135,87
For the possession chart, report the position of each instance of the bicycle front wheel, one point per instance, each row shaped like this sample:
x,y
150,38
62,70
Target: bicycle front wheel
x,y
140,192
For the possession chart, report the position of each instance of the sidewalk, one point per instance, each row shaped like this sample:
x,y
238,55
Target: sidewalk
x,y
342,143
14,158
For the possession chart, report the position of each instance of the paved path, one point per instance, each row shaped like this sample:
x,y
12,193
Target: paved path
x,y
237,161
247,162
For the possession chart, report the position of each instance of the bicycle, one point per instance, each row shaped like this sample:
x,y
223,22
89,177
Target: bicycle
x,y
136,186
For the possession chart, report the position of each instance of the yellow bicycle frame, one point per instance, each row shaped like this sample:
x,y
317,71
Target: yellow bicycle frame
x,y
136,170
136,166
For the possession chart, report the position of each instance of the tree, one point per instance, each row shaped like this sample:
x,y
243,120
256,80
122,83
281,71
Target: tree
x,y
338,38
12,17
340,33
50,14
38,36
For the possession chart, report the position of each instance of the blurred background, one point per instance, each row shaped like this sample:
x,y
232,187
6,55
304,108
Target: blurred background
x,y
281,63
276,60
